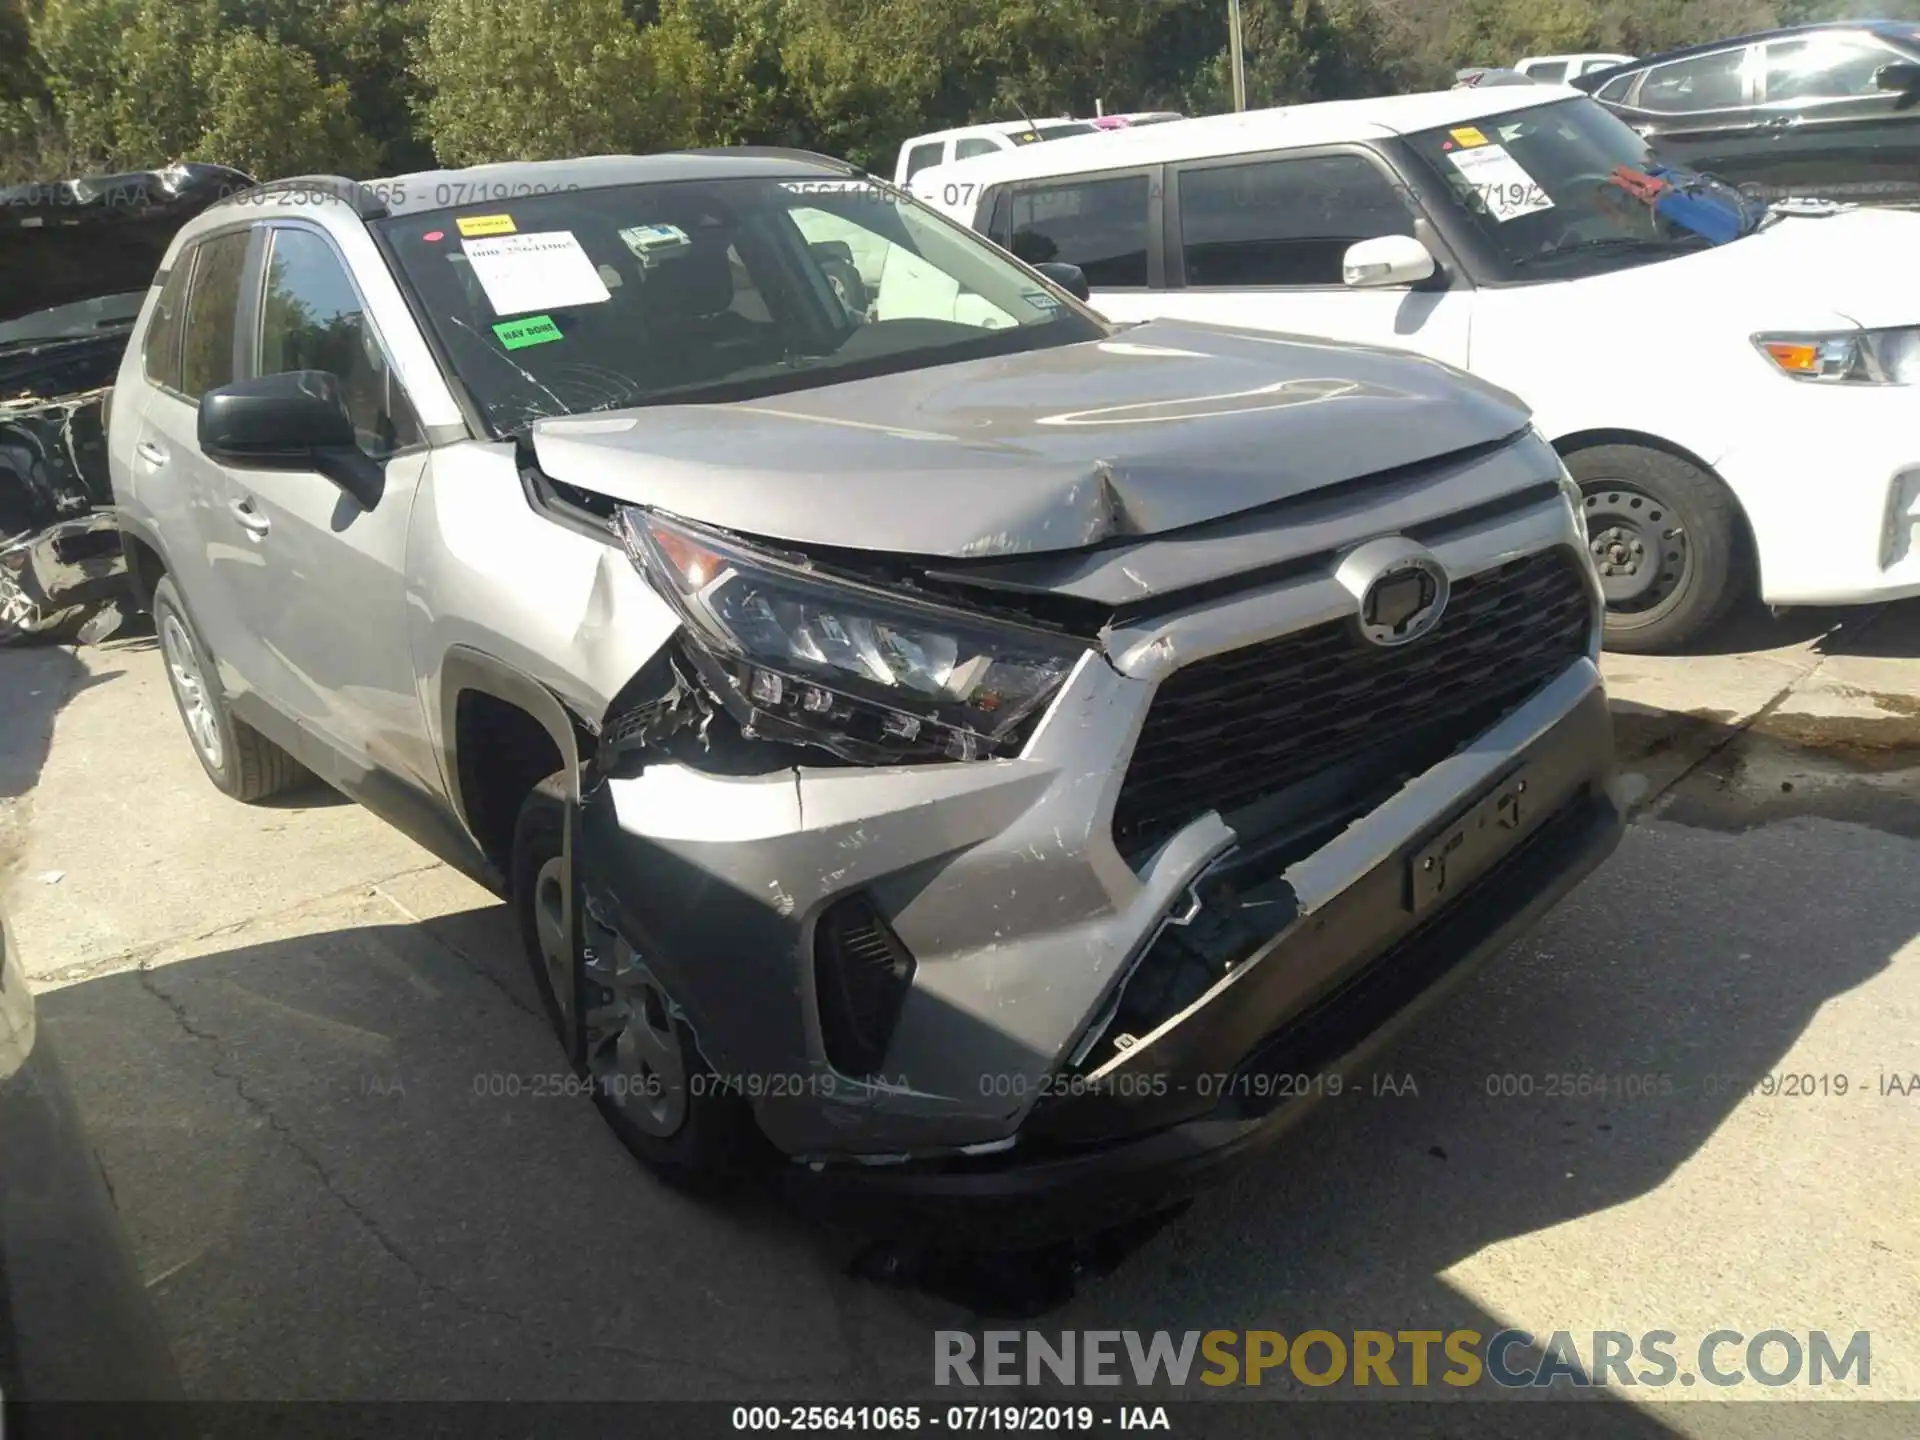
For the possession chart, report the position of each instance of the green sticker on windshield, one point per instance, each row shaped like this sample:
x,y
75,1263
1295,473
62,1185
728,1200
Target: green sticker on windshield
x,y
528,330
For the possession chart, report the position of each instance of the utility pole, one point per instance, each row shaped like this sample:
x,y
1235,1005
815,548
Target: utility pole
x,y
1238,53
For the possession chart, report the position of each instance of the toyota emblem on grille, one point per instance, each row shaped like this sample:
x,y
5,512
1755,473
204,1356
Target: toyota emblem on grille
x,y
1400,588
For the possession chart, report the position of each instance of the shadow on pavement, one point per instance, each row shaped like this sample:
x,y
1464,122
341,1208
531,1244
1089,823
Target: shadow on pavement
x,y
35,682
1753,628
353,1168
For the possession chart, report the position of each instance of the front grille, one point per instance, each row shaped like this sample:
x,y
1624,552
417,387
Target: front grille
x,y
1233,729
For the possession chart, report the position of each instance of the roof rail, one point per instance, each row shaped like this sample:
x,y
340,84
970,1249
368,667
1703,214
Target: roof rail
x,y
365,202
776,152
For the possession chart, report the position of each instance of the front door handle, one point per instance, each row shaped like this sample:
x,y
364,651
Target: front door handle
x,y
152,453
251,520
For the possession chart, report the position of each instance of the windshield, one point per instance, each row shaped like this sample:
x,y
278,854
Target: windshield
x,y
1539,187
558,304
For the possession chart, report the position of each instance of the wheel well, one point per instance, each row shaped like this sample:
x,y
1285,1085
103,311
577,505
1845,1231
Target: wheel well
x,y
144,568
1588,439
502,753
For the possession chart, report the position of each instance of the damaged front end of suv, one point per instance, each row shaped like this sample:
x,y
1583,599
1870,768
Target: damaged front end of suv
x,y
1074,828
76,258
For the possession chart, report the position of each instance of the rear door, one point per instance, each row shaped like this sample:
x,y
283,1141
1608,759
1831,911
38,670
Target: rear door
x,y
1829,129
1107,224
1700,112
1262,240
183,491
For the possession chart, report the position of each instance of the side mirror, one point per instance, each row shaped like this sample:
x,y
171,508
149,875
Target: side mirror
x,y
294,421
1387,260
1901,76
1070,278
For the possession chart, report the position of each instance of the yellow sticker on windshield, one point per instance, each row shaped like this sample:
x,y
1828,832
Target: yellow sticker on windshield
x,y
474,225
1467,135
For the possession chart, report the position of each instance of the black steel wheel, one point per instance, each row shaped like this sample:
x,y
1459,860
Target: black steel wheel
x,y
1665,539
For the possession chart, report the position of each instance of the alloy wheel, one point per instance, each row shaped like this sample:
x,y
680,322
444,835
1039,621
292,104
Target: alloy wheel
x,y
190,689
550,927
634,1051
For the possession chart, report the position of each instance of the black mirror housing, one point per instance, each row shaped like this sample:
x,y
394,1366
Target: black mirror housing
x,y
1070,278
275,422
294,421
1900,76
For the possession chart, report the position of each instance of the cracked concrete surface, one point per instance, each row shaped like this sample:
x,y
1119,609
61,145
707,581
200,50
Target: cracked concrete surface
x,y
351,1167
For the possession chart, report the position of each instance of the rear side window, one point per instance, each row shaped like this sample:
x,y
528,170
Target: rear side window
x,y
1548,72
1284,222
973,145
311,319
1099,225
1708,82
1615,90
1827,67
921,156
213,302
160,351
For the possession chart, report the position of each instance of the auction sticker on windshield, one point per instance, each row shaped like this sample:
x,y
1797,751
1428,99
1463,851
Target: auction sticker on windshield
x,y
546,270
1501,182
481,225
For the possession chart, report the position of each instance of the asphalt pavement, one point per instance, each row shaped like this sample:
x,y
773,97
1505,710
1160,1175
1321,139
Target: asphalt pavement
x,y
314,1068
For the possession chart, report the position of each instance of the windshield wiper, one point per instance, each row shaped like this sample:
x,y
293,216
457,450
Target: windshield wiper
x,y
1677,245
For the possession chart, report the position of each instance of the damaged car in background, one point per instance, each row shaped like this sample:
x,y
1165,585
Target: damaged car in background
x,y
75,260
934,741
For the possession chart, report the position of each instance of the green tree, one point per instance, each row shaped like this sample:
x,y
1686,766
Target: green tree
x,y
267,112
535,80
120,76
363,45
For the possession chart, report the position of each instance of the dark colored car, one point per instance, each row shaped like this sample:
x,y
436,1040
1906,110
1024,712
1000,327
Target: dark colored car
x,y
1826,112
76,258
75,1321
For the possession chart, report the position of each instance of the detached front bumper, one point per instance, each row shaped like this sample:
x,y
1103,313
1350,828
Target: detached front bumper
x,y
70,564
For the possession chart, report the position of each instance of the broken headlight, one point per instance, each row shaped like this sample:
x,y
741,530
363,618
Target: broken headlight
x,y
863,672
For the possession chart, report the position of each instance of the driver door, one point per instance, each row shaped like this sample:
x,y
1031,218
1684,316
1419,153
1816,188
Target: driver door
x,y
325,590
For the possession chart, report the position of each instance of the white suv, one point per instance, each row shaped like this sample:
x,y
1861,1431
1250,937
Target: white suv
x,y
943,147
1735,395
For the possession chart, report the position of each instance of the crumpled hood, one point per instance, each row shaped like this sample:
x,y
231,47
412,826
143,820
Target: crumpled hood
x,y
1166,425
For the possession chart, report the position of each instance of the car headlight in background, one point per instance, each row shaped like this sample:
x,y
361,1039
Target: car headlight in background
x,y
1856,357
869,675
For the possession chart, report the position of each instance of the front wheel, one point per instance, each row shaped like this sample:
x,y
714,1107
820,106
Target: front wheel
x,y
1665,538
617,1022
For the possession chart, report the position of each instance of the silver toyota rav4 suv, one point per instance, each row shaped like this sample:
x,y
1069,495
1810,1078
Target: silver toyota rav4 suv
x,y
935,741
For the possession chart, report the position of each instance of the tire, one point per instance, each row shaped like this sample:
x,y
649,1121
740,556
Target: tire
x,y
1667,539
685,1128
239,760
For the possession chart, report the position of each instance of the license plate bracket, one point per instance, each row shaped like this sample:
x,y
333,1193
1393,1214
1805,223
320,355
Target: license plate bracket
x,y
1468,845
